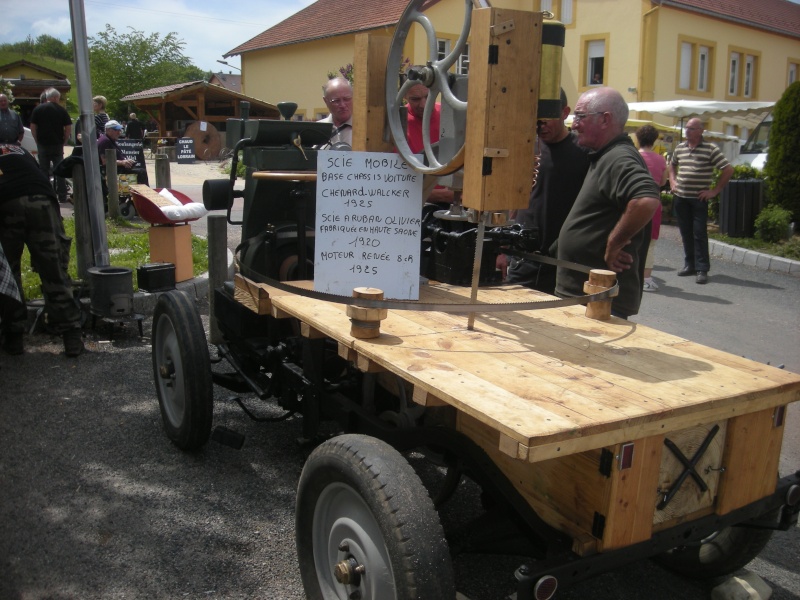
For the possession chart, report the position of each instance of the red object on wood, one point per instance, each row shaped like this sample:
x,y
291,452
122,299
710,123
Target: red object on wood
x,y
151,213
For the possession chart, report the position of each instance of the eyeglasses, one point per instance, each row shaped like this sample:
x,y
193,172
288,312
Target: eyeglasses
x,y
693,128
336,101
580,116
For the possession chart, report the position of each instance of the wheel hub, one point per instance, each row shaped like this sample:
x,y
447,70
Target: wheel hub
x,y
349,572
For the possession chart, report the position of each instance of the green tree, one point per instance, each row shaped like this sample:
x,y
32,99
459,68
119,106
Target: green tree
x,y
124,63
782,170
47,45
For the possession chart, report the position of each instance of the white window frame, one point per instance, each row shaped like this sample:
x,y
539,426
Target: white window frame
x,y
703,65
594,49
749,75
733,74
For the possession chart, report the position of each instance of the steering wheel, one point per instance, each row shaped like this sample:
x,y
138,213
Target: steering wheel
x,y
435,77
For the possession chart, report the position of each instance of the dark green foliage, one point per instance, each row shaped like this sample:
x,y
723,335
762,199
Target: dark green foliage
x,y
772,223
124,63
782,170
44,45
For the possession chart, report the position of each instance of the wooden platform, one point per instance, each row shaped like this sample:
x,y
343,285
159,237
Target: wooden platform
x,y
552,381
547,392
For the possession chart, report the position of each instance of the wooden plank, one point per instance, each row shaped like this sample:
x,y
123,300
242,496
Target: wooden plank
x,y
503,81
251,295
312,333
749,475
632,494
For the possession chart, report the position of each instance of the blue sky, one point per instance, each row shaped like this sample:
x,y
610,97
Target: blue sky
x,y
210,28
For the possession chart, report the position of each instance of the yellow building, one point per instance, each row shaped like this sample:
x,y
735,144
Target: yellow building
x,y
732,50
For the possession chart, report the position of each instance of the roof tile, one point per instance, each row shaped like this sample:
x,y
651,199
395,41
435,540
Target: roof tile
x,y
779,16
328,18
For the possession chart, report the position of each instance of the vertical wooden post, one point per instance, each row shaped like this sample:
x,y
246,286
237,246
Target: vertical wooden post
x,y
217,267
112,183
599,280
162,171
369,93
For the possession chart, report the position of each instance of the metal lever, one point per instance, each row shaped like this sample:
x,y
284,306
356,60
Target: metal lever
x,y
298,142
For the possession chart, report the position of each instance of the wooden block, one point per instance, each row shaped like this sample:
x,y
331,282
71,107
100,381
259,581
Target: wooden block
x,y
424,398
147,192
366,314
307,331
507,84
347,353
365,365
173,244
251,295
599,280
369,96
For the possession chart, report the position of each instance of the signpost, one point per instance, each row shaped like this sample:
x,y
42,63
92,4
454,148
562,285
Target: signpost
x,y
185,151
368,224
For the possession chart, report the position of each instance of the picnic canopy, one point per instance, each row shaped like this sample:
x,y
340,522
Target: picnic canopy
x,y
747,114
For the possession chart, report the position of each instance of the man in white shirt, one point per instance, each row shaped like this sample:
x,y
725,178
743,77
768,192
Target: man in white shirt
x,y
338,97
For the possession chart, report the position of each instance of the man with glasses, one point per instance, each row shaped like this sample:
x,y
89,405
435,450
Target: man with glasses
x,y
562,169
337,94
609,224
690,173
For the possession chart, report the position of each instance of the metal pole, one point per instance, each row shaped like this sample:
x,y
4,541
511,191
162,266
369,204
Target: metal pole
x,y
91,160
217,267
83,243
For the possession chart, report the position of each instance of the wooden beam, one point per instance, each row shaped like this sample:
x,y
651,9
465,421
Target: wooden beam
x,y
369,101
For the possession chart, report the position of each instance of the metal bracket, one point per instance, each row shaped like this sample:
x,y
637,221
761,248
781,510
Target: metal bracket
x,y
499,29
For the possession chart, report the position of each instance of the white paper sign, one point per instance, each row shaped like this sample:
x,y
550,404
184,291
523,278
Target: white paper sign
x,y
368,221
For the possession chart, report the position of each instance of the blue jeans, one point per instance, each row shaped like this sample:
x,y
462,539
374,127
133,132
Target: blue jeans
x,y
693,224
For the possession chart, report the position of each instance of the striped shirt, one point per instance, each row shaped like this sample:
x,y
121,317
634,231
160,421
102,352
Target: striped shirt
x,y
696,167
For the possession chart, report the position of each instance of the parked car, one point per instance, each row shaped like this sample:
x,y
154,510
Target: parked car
x,y
754,151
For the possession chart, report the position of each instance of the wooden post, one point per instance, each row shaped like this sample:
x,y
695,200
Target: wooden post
x,y
365,323
217,267
83,237
599,280
162,171
369,93
112,183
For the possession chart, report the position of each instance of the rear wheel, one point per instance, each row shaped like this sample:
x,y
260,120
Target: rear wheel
x,y
366,527
182,371
721,553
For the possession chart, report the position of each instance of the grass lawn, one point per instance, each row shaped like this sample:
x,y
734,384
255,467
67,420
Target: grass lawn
x,y
128,246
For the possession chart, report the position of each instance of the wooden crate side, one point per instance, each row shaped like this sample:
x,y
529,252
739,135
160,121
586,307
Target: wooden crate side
x,y
505,51
565,492
751,457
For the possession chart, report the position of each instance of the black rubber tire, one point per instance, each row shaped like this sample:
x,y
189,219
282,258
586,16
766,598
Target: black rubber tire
x,y
722,553
127,210
182,371
358,489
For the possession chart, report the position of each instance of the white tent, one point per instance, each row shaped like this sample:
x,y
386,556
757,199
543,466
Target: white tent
x,y
748,114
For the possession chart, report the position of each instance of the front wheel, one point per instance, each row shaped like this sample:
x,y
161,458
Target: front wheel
x,y
367,528
182,371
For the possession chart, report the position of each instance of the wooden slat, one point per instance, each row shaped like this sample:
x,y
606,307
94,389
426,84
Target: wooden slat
x,y
251,295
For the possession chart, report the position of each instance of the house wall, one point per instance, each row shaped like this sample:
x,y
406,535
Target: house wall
x,y
642,51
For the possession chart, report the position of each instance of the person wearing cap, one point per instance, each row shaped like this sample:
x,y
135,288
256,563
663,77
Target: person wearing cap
x,y
108,140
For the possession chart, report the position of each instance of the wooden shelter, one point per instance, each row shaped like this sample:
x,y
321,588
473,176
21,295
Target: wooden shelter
x,y
28,81
196,108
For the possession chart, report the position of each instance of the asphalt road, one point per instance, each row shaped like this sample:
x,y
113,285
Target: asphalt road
x,y
95,502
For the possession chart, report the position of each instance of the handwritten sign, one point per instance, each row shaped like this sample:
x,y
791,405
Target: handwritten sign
x,y
133,150
368,220
185,148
